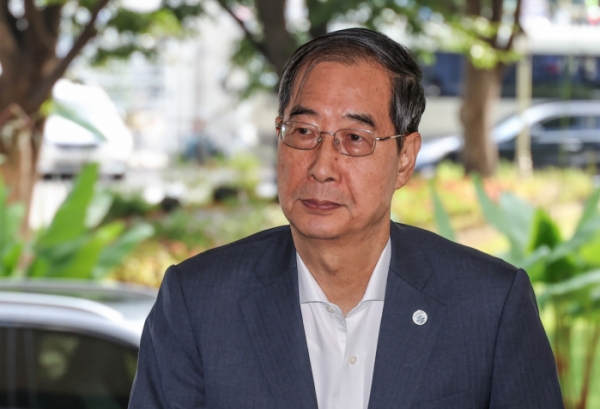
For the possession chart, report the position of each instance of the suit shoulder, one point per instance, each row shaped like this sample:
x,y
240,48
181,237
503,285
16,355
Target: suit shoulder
x,y
447,251
451,271
248,248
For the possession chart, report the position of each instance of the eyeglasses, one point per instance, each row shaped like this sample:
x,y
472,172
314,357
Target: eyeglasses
x,y
351,142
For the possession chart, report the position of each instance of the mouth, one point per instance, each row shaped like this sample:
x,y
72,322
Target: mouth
x,y
320,205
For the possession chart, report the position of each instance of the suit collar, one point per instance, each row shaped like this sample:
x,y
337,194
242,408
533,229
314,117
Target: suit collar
x,y
274,321
410,260
311,292
403,347
278,257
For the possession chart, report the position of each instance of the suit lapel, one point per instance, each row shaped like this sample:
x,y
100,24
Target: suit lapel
x,y
403,348
274,321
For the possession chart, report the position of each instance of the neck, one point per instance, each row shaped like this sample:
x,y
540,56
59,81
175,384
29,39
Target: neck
x,y
342,267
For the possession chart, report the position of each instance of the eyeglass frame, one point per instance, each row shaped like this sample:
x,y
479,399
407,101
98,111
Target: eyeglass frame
x,y
278,126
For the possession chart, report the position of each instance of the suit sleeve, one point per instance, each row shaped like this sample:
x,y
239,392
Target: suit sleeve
x,y
524,374
169,373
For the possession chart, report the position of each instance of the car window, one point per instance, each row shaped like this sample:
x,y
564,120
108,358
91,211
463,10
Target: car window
x,y
11,356
590,122
58,370
563,122
4,368
571,123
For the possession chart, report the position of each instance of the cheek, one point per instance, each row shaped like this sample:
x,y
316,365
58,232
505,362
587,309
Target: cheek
x,y
284,170
288,173
376,185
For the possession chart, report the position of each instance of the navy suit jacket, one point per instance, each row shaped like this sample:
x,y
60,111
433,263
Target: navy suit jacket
x,y
226,332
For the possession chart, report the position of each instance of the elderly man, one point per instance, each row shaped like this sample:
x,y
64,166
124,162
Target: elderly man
x,y
343,308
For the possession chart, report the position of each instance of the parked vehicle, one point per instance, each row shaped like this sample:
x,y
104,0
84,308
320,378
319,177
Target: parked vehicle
x,y
69,344
84,127
563,133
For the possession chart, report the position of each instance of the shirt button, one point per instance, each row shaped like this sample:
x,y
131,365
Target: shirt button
x,y
352,360
330,309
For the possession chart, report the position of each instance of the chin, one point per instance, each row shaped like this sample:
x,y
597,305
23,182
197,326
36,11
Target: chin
x,y
317,230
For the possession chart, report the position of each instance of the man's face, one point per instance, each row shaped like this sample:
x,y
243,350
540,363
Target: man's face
x,y
325,194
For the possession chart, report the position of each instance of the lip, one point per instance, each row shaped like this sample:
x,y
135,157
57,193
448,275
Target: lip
x,y
322,205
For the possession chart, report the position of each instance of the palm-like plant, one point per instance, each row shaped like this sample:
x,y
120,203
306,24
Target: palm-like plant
x,y
565,273
77,244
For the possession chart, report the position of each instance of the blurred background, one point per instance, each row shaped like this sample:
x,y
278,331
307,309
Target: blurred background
x,y
137,133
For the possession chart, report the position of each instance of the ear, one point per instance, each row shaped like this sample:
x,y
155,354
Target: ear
x,y
408,158
278,121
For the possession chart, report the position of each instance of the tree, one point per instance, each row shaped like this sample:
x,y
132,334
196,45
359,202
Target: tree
x,y
483,79
482,30
32,37
273,38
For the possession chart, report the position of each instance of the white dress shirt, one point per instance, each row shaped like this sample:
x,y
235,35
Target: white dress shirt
x,y
342,349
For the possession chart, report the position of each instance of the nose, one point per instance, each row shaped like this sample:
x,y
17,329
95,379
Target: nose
x,y
324,165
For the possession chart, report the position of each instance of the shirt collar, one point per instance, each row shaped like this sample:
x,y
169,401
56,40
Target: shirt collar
x,y
310,291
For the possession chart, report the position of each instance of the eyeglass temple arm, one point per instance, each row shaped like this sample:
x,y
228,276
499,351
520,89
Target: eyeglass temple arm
x,y
391,137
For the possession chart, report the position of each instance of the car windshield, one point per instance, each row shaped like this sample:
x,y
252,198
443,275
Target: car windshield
x,y
58,370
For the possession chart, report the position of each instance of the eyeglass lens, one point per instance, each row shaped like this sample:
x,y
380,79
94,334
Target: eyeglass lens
x,y
353,142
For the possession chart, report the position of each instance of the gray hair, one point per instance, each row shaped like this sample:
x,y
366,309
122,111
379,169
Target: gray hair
x,y
351,46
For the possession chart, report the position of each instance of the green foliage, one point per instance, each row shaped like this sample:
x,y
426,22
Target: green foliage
x,y
136,32
545,188
430,22
114,254
69,222
129,21
182,226
373,14
122,52
442,219
566,272
11,217
247,168
536,240
474,36
213,226
46,3
130,205
512,217
184,11
260,73
75,245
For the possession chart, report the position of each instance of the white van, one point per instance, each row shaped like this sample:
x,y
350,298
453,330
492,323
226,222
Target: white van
x,y
84,127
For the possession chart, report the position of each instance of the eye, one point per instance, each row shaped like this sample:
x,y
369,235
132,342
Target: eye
x,y
303,132
356,142
355,138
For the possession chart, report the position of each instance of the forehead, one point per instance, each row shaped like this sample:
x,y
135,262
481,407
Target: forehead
x,y
342,82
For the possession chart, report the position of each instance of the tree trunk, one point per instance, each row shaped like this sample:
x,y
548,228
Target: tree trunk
x,y
481,91
277,40
20,141
30,68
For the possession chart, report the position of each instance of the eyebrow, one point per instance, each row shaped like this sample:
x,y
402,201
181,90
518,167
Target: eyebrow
x,y
302,110
364,119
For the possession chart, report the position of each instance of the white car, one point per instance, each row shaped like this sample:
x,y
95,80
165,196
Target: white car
x,y
69,344
84,127
563,133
